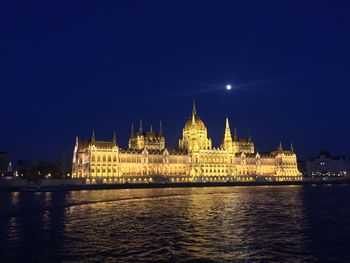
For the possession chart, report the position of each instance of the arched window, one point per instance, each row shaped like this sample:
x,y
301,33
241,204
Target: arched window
x,y
93,158
109,159
98,158
104,158
114,159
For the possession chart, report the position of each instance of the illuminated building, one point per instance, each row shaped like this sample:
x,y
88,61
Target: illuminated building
x,y
327,165
149,140
195,160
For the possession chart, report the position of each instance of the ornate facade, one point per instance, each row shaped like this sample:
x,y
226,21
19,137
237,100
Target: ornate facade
x,y
147,140
147,159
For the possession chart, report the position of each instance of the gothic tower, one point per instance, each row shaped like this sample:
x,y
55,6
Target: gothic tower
x,y
227,140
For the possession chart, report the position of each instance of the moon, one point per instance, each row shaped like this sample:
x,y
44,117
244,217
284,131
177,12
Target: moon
x,y
228,87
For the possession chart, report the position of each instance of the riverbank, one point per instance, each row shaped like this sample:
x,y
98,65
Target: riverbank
x,y
79,187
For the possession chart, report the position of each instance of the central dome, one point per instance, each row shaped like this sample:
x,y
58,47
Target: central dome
x,y
198,123
195,134
194,121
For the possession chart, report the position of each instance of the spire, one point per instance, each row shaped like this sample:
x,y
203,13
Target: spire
x,y
227,136
93,140
160,129
151,128
194,111
280,147
140,128
235,135
227,124
193,118
114,139
132,130
291,147
249,136
227,128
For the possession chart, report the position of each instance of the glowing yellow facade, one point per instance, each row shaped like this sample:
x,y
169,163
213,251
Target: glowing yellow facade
x,y
195,135
146,140
148,160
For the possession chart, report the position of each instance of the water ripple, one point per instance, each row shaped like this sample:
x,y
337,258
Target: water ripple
x,y
228,224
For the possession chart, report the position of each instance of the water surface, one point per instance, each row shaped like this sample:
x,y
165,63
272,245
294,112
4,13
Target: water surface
x,y
215,224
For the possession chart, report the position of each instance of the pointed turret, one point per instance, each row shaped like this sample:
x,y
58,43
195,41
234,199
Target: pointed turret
x,y
194,111
160,129
140,128
227,124
132,131
193,119
227,142
114,139
291,147
280,147
151,128
93,140
235,135
249,136
227,131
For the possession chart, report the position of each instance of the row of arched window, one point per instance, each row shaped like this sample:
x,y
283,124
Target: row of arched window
x,y
104,158
103,170
216,170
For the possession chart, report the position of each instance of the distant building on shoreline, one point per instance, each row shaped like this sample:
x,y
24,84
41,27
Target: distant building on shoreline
x,y
326,164
36,169
5,164
64,165
194,161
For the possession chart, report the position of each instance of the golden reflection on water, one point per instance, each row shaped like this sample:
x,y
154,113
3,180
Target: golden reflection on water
x,y
47,197
187,222
223,224
15,198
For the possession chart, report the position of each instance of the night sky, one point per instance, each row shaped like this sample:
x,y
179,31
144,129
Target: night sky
x,y
68,67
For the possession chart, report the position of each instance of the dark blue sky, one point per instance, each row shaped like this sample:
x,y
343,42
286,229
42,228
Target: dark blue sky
x,y
68,67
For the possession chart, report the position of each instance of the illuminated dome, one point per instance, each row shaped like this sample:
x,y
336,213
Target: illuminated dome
x,y
198,123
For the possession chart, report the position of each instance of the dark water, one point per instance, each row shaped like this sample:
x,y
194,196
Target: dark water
x,y
224,224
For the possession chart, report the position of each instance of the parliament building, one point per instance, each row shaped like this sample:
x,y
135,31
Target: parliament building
x,y
147,159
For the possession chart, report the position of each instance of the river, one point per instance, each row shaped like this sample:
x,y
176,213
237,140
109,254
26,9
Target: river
x,y
214,224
